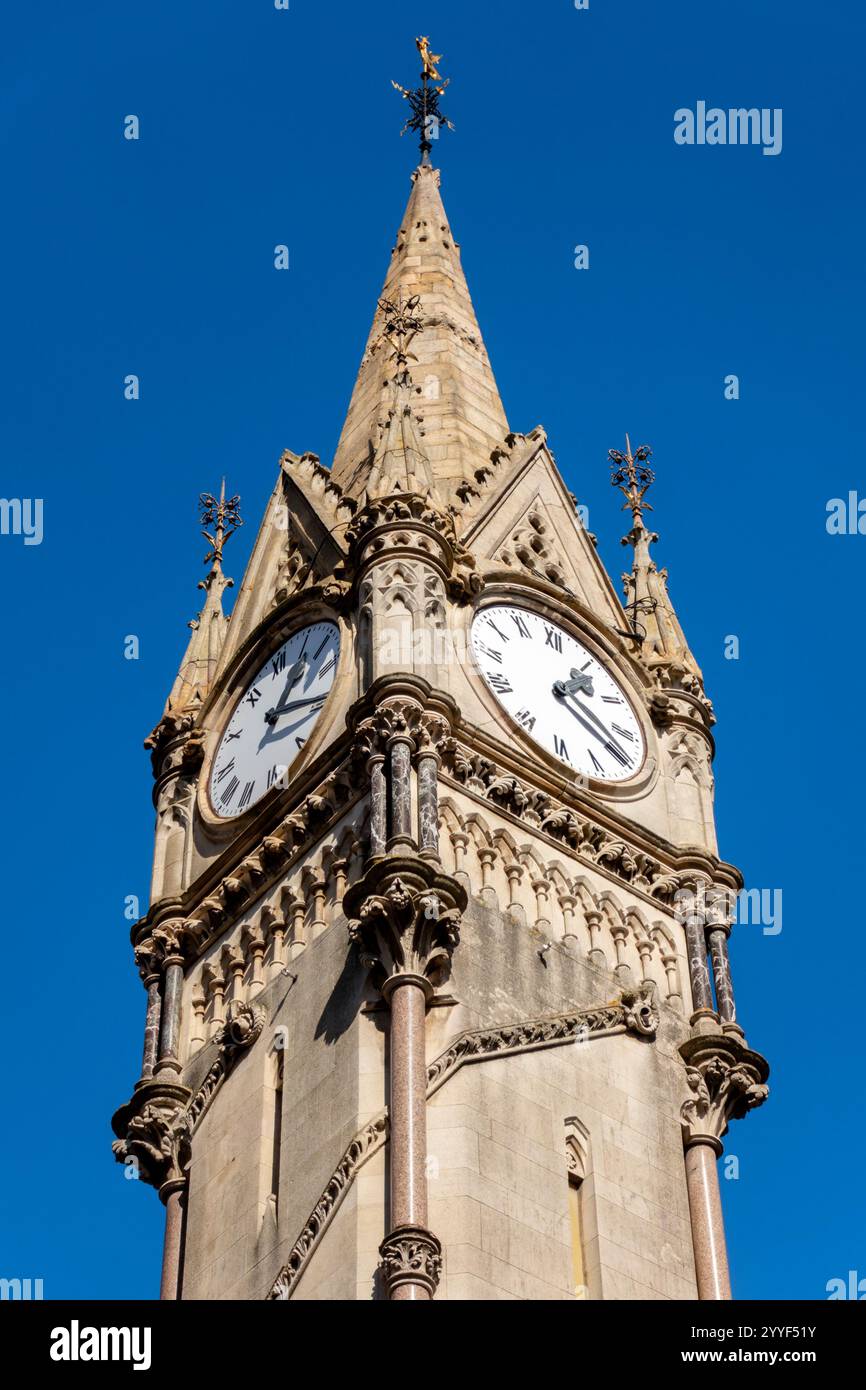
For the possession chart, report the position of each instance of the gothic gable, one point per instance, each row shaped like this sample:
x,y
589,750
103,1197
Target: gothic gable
x,y
523,518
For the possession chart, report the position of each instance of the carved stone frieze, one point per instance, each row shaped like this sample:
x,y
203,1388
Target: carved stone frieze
x,y
538,809
727,1080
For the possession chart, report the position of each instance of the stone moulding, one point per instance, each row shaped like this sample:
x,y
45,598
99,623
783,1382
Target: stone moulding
x,y
636,1012
479,777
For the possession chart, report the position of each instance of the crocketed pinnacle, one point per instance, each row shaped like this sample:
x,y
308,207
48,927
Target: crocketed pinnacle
x,y
198,667
647,602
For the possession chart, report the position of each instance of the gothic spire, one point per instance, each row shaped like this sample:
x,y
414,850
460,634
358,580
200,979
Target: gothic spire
x,y
220,518
653,623
457,409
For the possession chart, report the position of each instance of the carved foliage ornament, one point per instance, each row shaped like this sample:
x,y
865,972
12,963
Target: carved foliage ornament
x,y
411,1255
538,809
727,1080
158,1137
425,731
406,930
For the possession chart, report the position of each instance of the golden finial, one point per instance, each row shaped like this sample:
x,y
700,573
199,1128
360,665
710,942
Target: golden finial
x,y
429,60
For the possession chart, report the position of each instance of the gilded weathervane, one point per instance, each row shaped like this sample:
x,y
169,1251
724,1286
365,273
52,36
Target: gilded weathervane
x,y
426,116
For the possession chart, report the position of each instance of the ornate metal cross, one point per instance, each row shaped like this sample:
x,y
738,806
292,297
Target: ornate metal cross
x,y
426,117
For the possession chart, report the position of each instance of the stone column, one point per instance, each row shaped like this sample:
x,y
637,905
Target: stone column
x,y
428,804
403,918
169,1031
172,1250
596,951
407,1275
460,841
378,805
696,947
151,1025
708,1227
717,937
400,753
726,1080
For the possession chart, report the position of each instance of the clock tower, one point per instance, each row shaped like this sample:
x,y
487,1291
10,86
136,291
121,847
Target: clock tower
x,y
438,998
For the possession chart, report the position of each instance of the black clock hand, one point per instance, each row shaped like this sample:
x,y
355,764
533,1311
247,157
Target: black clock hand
x,y
600,732
293,675
273,714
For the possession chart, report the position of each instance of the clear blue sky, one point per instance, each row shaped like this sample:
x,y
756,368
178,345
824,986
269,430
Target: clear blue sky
x,y
156,257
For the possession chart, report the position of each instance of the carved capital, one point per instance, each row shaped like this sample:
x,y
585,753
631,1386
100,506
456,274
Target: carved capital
x,y
411,1255
726,1079
404,916
155,1128
155,1138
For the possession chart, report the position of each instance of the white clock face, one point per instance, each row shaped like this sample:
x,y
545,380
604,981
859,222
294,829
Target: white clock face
x,y
273,719
558,692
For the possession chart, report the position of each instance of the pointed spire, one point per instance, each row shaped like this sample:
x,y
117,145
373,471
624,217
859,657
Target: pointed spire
x,y
198,666
457,408
654,626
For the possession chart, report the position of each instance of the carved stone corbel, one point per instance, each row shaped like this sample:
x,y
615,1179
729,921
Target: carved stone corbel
x,y
727,1080
404,916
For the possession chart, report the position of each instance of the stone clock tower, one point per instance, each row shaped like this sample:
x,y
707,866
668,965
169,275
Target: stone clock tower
x,y
438,995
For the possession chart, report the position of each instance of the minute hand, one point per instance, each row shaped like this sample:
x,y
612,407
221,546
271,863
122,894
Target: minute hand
x,y
583,713
273,714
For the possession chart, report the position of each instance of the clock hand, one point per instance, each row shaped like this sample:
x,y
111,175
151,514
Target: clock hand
x,y
273,714
579,681
293,675
600,732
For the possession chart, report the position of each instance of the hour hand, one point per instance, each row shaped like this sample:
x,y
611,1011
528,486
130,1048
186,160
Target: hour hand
x,y
579,681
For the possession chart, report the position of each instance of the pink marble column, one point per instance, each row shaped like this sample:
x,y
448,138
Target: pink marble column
x,y
172,1250
410,1247
708,1228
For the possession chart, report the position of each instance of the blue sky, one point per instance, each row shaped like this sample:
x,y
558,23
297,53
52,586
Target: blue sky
x,y
155,257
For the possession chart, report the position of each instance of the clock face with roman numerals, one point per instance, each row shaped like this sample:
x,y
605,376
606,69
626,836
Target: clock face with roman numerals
x,y
558,693
273,719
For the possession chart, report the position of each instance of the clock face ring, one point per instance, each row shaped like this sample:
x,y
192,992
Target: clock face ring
x,y
273,719
560,695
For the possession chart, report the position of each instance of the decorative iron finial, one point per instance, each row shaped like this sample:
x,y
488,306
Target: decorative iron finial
x,y
402,324
224,518
630,472
426,117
